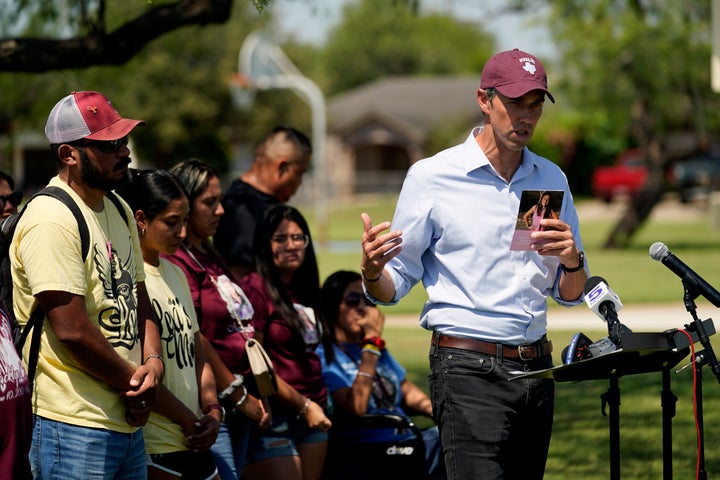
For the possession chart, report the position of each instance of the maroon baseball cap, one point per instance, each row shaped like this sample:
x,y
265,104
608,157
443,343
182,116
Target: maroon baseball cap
x,y
515,73
86,115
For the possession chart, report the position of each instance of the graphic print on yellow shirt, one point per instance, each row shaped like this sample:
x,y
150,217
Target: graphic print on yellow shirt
x,y
45,256
173,310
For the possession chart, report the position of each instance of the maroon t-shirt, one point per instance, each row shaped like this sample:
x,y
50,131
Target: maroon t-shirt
x,y
16,424
213,317
295,361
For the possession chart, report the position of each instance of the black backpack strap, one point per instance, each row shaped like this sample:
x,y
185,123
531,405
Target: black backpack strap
x,y
60,194
35,320
118,204
37,316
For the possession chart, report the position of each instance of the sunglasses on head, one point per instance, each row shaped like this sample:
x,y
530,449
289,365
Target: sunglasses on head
x,y
105,146
15,198
353,299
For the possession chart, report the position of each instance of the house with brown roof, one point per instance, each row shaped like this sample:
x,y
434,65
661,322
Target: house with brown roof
x,y
376,131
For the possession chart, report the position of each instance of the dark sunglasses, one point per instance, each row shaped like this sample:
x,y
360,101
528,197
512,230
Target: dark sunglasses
x,y
15,198
105,146
353,299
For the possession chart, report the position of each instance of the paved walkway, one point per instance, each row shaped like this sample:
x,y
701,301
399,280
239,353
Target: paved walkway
x,y
639,318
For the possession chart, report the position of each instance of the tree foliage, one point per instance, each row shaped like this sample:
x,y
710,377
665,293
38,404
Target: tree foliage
x,y
641,77
76,34
378,38
178,81
177,84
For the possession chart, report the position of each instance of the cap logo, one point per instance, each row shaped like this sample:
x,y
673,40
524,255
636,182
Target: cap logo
x,y
93,109
529,67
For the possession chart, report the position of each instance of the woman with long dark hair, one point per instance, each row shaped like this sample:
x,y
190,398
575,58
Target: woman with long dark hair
x,y
186,417
284,293
224,316
542,209
363,377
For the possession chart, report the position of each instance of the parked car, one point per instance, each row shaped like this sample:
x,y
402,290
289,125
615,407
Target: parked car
x,y
625,178
695,176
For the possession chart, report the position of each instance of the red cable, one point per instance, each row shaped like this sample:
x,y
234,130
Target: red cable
x,y
695,413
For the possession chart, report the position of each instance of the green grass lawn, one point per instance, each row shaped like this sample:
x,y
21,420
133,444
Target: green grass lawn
x,y
580,444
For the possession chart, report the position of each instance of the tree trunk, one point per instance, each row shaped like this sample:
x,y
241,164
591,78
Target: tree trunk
x,y
640,207
638,210
115,48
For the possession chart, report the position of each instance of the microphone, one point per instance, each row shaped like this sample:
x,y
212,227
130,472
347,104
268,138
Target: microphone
x,y
692,281
601,300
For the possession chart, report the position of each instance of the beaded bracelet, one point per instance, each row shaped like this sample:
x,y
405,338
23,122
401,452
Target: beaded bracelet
x,y
232,387
304,409
154,356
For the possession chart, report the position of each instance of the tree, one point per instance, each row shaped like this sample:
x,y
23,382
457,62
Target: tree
x,y
378,38
641,76
92,44
177,83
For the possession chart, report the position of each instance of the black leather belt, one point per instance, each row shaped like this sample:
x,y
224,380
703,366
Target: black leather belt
x,y
520,352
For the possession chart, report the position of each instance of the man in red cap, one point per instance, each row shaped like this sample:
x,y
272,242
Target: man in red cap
x,y
487,304
99,360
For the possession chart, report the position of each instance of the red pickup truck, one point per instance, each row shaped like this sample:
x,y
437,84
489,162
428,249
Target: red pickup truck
x,y
625,178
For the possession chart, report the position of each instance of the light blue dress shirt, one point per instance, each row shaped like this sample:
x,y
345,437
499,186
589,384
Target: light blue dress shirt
x,y
457,218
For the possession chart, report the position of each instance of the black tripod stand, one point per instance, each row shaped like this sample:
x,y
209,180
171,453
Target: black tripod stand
x,y
640,352
702,358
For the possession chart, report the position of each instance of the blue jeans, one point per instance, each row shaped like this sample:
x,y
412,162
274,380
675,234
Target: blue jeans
x,y
283,437
231,447
60,450
491,428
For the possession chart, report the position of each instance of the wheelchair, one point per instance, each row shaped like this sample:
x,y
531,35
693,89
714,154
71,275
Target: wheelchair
x,y
375,460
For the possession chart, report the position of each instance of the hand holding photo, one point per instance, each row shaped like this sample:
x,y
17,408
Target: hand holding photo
x,y
535,205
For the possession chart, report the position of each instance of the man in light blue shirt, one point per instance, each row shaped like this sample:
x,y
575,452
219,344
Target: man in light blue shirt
x,y
453,229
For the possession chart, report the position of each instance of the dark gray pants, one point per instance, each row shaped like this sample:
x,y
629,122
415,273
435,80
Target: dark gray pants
x,y
491,428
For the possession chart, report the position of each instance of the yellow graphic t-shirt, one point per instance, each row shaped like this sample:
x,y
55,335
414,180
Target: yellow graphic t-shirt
x,y
173,309
45,256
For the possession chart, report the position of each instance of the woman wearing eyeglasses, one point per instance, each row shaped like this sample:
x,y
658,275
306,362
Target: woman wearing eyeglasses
x,y
284,293
360,372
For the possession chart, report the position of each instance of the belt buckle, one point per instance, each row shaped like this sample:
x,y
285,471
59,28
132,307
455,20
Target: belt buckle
x,y
532,348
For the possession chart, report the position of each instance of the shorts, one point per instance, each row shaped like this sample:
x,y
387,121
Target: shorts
x,y
184,464
282,438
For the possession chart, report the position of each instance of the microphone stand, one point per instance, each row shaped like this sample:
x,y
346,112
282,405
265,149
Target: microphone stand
x,y
689,299
701,358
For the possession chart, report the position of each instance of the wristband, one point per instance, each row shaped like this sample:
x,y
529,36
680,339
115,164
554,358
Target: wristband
x,y
304,409
365,374
215,406
232,387
377,342
371,280
371,349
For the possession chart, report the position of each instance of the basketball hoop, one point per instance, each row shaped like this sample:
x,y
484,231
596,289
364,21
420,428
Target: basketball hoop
x,y
242,91
263,65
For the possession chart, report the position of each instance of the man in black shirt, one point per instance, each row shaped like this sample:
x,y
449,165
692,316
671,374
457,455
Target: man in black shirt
x,y
281,159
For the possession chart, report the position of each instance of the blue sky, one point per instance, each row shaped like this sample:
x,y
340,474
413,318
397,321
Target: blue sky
x,y
310,20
